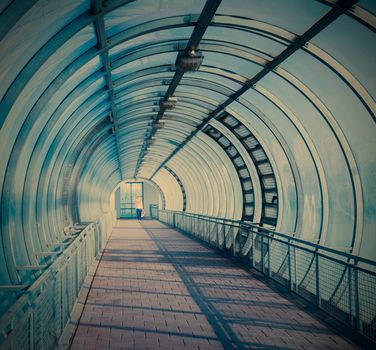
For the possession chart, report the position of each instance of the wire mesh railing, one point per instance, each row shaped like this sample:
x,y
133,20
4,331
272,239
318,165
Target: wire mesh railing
x,y
342,284
39,316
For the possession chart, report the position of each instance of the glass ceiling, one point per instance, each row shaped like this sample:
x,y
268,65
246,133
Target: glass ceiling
x,y
84,89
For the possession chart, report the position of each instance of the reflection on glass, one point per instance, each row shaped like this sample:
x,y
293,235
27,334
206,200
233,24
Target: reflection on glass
x,y
131,197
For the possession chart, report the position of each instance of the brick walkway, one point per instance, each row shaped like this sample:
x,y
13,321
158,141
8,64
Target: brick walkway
x,y
158,289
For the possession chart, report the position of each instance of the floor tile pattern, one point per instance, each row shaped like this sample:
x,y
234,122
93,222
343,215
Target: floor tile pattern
x,y
158,289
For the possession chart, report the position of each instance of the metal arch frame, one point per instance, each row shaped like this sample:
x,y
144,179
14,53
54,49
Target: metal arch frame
x,y
98,191
34,113
283,146
167,47
50,164
55,182
180,185
245,217
311,100
173,46
334,13
42,196
205,103
143,117
14,11
198,32
160,48
166,181
85,105
47,50
233,187
78,169
82,19
110,182
248,150
352,167
358,13
195,152
189,174
97,8
103,155
71,200
142,73
28,214
248,163
313,153
148,110
346,76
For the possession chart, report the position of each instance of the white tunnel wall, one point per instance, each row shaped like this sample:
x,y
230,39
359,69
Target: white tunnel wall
x,y
210,181
171,190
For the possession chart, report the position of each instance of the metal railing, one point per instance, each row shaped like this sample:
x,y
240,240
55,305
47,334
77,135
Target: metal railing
x,y
342,284
38,318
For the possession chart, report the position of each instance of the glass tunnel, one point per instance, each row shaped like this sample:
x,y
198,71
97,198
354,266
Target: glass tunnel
x,y
257,112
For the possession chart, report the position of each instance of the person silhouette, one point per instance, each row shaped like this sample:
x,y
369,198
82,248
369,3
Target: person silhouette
x,y
139,208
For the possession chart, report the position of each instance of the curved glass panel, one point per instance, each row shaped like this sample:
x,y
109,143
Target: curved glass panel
x,y
143,63
341,199
231,63
14,54
168,35
252,42
358,56
293,15
369,5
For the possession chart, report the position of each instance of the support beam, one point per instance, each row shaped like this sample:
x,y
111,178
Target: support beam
x,y
340,8
202,24
97,8
13,287
31,267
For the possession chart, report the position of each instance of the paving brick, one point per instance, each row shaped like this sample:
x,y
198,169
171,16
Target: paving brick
x,y
158,289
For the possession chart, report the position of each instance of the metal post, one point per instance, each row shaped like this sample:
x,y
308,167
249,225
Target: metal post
x,y
357,304
216,235
269,271
251,250
31,331
349,277
317,280
289,263
233,240
294,284
262,253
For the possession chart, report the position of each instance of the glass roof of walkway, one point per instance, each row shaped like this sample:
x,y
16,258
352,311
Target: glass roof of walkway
x,y
259,110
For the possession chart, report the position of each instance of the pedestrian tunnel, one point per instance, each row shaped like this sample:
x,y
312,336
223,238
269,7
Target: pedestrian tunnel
x,y
249,125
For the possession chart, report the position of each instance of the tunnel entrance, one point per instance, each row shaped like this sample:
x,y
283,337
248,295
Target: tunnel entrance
x,y
130,195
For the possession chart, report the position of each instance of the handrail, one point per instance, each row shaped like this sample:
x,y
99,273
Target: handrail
x,y
263,230
38,317
337,282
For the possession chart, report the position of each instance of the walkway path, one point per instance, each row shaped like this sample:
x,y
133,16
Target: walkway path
x,y
158,289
